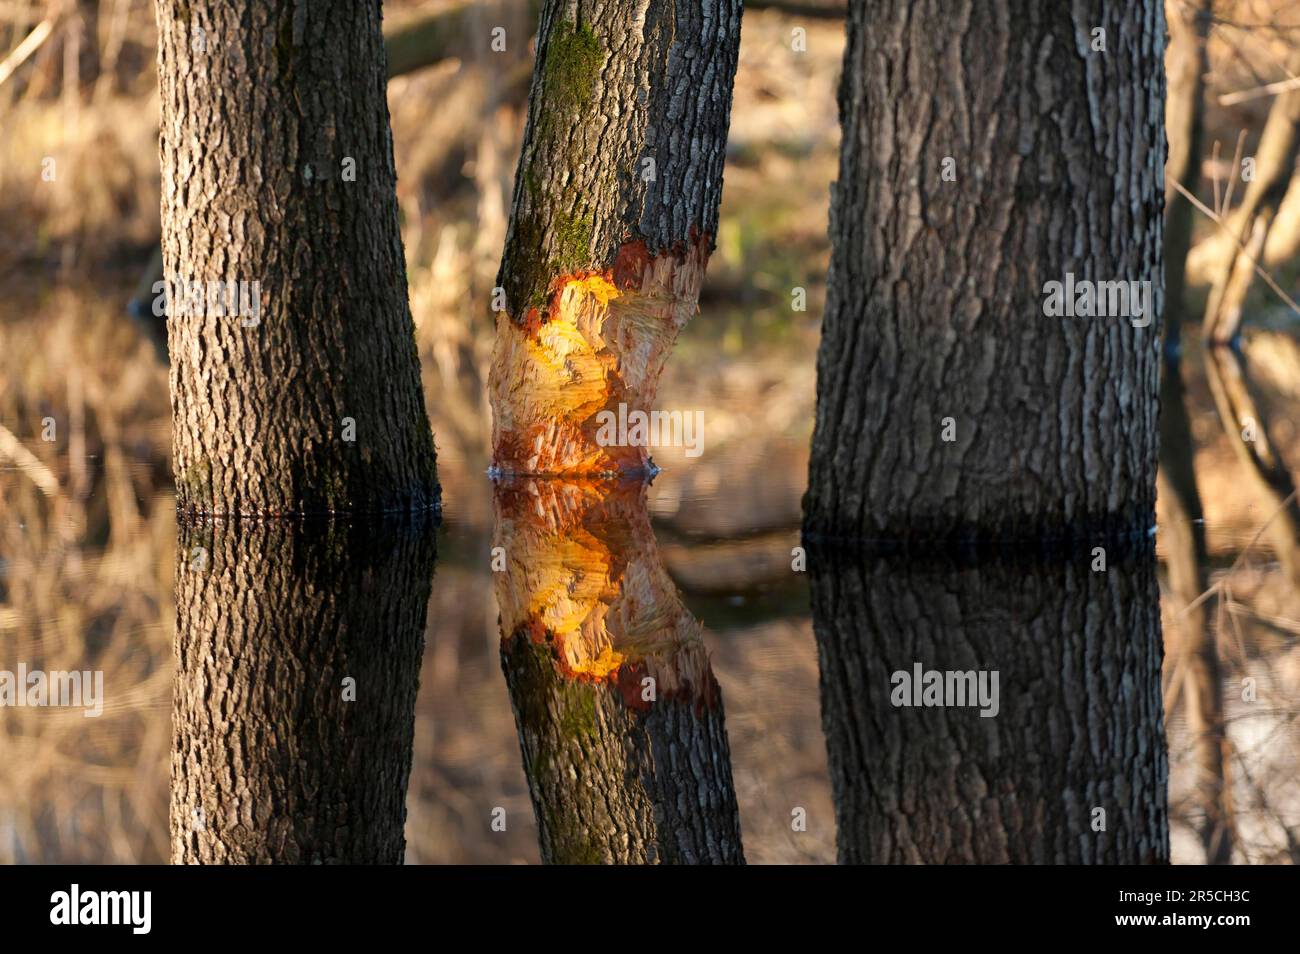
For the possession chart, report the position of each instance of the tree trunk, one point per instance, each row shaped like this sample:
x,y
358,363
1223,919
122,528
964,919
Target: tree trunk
x,y
298,653
949,404
278,170
620,718
614,216
1183,531
1078,725
1187,63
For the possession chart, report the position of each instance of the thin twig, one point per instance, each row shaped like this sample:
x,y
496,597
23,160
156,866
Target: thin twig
x,y
12,448
1269,89
1259,269
1214,177
30,45
1236,171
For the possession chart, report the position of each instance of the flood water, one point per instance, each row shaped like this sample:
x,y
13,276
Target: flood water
x,y
95,576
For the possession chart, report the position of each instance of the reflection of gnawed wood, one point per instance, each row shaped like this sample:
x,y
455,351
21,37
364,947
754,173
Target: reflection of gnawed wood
x,y
619,715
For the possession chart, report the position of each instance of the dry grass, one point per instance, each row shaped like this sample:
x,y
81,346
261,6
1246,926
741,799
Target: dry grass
x,y
86,573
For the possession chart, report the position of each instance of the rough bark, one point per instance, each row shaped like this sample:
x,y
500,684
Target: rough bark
x,y
262,107
1079,724
272,761
621,770
411,46
614,215
936,294
1183,530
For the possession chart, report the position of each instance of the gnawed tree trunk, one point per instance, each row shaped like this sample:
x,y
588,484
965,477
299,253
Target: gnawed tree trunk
x,y
614,216
619,715
1196,662
278,170
1078,724
949,405
298,651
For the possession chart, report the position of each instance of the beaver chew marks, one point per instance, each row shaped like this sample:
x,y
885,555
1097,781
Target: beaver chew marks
x,y
601,341
584,586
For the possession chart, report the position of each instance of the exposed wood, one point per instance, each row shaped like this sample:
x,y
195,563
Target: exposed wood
x,y
619,715
614,214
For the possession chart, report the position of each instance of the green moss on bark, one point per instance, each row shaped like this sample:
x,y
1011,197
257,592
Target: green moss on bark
x,y
574,57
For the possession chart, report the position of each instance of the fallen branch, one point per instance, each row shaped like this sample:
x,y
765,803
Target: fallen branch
x,y
1269,89
31,43
12,448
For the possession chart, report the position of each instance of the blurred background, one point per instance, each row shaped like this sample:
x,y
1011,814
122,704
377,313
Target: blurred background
x,y
87,527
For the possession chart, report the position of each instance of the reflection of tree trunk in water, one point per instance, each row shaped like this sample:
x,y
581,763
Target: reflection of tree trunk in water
x,y
620,718
1079,725
1275,160
1183,534
1197,662
1247,431
277,757
614,215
